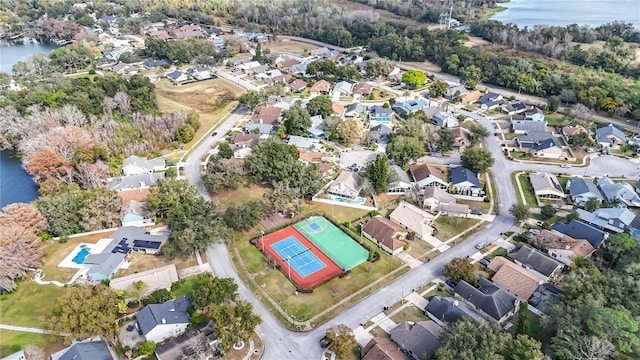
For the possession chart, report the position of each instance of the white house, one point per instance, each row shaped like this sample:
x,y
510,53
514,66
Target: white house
x,y
159,322
178,77
135,165
200,73
347,185
428,175
413,219
343,88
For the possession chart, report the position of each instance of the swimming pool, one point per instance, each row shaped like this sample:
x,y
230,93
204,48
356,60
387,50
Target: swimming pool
x,y
358,200
79,258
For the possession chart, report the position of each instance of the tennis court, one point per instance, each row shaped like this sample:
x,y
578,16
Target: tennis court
x,y
341,248
310,267
302,260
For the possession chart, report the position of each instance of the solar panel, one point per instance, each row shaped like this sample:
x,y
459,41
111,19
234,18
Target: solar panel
x,y
146,244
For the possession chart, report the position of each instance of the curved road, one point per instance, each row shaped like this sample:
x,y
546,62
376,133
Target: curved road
x,y
281,343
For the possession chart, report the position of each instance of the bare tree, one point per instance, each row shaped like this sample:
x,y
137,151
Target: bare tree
x,y
70,115
24,215
123,102
67,140
594,348
20,251
32,352
90,175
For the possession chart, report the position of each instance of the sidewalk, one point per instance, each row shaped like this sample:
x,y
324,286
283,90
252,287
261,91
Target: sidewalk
x,y
30,330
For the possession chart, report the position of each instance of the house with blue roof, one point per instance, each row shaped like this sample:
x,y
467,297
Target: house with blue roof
x,y
580,230
465,181
200,73
316,130
159,322
539,144
380,115
613,220
581,190
490,101
610,136
531,114
622,191
410,107
89,349
150,64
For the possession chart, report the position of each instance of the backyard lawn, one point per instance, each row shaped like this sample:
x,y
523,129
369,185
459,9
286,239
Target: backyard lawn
x,y
449,227
410,313
29,304
290,47
14,341
184,287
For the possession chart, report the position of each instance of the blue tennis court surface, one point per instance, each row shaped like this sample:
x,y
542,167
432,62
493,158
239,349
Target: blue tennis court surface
x,y
314,226
301,259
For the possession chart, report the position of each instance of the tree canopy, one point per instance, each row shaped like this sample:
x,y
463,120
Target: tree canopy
x,y
477,159
296,120
460,269
414,78
320,105
378,173
212,290
403,149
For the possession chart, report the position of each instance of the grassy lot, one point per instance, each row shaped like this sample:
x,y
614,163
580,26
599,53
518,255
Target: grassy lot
x,y
410,313
379,332
211,99
438,292
56,251
418,247
449,227
29,304
184,287
500,251
14,341
478,205
142,262
510,136
306,306
290,47
240,195
556,119
529,193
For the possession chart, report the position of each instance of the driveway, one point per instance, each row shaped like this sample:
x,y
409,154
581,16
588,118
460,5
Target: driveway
x,y
130,338
359,157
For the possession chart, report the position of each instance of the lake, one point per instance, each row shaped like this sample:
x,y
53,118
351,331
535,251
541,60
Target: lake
x,y
565,12
15,184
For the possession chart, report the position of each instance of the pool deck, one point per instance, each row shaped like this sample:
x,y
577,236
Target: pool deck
x,y
96,248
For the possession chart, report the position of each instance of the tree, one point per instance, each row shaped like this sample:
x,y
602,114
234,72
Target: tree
x,y
470,76
414,78
346,131
402,149
101,209
222,173
320,105
32,352
138,291
378,173
547,212
618,244
594,348
478,133
234,322
553,102
62,212
224,150
616,326
20,251
244,216
477,159
147,348
185,133
85,311
250,99
90,176
296,120
24,215
438,88
194,225
273,161
524,347
158,297
48,164
592,204
212,290
468,340
446,139
168,194
519,211
580,139
460,269
378,68
341,339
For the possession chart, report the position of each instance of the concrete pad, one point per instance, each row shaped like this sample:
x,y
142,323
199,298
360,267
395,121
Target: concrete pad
x,y
417,300
362,336
505,244
443,247
433,241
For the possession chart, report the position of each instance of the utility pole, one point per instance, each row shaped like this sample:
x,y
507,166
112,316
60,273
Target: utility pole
x,y
262,239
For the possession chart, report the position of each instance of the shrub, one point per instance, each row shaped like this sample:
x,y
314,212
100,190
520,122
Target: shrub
x,y
157,297
92,72
147,348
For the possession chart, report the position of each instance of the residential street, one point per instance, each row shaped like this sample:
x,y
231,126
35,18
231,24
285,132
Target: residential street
x,y
281,343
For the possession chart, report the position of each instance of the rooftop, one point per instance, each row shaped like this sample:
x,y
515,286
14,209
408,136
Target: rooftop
x,y
513,277
488,297
170,312
534,259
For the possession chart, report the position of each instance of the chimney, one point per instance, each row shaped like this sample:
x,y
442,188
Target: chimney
x,y
261,121
456,303
567,247
164,321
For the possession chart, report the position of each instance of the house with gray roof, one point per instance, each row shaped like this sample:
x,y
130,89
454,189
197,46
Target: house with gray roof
x,y
124,241
581,190
402,184
343,88
419,340
455,91
613,220
490,101
610,136
539,144
379,134
135,182
316,130
264,130
546,186
159,322
523,127
494,303
622,191
304,143
580,230
449,310
355,111
197,344
347,185
465,181
135,165
443,119
178,77
380,115
536,262
90,349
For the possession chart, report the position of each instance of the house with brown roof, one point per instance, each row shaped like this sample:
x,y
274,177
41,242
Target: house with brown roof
x,y
562,247
298,85
380,348
462,137
413,219
337,108
241,144
428,175
470,97
385,233
512,277
362,89
287,64
569,131
320,87
281,79
267,114
310,157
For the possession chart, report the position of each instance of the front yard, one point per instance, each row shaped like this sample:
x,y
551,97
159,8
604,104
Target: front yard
x,y
448,227
29,304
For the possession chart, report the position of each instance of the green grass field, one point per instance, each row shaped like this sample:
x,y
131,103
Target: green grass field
x,y
449,227
14,341
29,304
410,313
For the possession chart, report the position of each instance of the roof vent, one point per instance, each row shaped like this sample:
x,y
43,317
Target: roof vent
x,y
164,321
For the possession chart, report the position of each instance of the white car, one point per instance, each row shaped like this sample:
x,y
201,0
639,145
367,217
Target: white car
x,y
481,245
566,166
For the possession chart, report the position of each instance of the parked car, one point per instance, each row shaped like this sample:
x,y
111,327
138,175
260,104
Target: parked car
x,y
130,327
589,150
485,261
450,283
475,212
324,342
539,223
566,166
481,245
534,231
214,133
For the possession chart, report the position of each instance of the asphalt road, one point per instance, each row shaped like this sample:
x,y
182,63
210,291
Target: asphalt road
x,y
281,343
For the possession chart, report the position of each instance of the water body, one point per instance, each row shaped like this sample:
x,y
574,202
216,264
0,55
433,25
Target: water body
x,y
15,184
565,12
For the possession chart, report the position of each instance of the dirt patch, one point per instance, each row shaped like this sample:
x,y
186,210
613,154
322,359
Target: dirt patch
x,y
290,47
384,15
425,65
201,98
475,41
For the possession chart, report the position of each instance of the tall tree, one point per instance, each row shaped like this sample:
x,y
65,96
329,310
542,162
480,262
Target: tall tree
x,y
212,290
138,291
445,141
101,209
244,216
169,194
467,340
24,215
402,149
616,326
378,173
438,88
478,133
86,311
592,204
618,244
460,269
48,164
320,105
234,322
273,161
524,347
519,211
414,78
378,68
194,224
341,338
296,120
20,250
222,173
62,212
477,159
347,131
